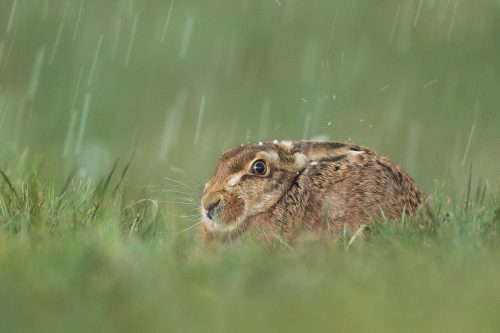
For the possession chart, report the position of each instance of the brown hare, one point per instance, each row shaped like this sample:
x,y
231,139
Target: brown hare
x,y
269,187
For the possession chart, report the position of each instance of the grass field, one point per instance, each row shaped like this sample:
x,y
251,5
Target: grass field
x,y
112,115
83,259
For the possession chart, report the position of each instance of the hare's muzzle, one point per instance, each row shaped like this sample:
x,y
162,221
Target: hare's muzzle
x,y
222,212
212,209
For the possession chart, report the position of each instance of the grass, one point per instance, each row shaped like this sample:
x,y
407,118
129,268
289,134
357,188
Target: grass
x,y
85,259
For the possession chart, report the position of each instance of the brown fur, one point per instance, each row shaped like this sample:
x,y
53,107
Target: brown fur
x,y
307,182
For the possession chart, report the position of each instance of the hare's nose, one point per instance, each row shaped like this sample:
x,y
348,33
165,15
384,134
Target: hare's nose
x,y
212,208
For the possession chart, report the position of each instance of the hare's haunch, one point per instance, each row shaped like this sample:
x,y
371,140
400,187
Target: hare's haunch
x,y
270,186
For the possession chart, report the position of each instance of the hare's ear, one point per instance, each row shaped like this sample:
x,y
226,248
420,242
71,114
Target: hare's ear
x,y
318,151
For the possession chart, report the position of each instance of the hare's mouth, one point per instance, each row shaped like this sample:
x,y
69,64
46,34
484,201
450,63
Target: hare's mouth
x,y
217,227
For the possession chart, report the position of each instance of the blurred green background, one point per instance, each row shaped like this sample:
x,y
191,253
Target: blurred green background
x,y
85,82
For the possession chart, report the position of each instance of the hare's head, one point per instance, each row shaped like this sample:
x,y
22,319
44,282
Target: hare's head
x,y
251,179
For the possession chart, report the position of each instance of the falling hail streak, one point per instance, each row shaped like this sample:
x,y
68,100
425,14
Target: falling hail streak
x,y
72,121
19,122
35,75
45,10
167,21
2,49
58,36
395,24
77,24
56,43
94,62
69,135
168,133
186,37
130,8
469,141
173,122
4,65
385,87
131,40
444,13
83,123
430,83
11,16
200,119
116,38
5,110
77,88
452,23
417,15
332,33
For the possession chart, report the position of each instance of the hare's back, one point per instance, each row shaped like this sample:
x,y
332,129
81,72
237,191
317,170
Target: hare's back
x,y
366,184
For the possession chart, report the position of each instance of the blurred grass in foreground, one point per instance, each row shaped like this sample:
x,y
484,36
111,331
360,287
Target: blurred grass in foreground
x,y
84,83
84,259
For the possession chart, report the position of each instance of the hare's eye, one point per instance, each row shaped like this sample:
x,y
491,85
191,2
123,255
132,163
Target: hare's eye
x,y
259,167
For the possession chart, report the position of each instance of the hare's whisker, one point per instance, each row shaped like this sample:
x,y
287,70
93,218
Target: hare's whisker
x,y
187,229
173,187
171,191
200,185
188,216
180,199
180,203
179,182
185,217
149,186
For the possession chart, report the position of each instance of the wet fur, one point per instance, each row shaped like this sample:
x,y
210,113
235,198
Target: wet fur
x,y
309,183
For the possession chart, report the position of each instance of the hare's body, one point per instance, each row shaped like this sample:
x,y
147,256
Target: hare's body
x,y
270,187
